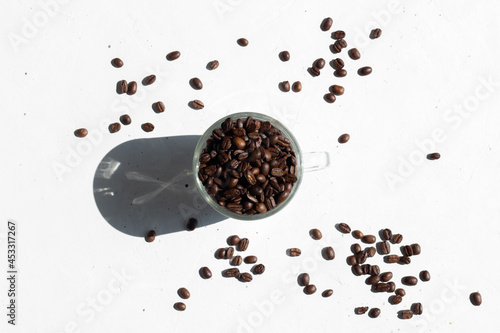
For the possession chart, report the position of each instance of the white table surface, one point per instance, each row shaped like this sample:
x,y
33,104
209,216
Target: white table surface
x,y
435,87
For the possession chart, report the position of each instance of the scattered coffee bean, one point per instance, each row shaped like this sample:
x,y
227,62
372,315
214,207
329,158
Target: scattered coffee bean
x,y
356,248
179,306
285,86
374,279
246,277
387,234
233,240
183,293
417,308
81,132
122,87
151,235
242,42
416,249
173,55
357,269
340,73
192,223
354,54
406,314
250,260
361,310
385,247
356,233
229,253
310,289
319,63
237,260
196,83
434,156
132,88
284,55
409,280
371,251
338,46
339,34
351,260
206,273
344,228
397,238
476,298
337,63
304,279
395,299
367,269
407,250
400,292
117,62
329,253
361,257
374,313
149,79
220,253
425,276
391,259
386,277
326,24
213,64
392,287
314,71
337,90
327,293
297,86
343,139
405,260
159,107
148,127
231,272
363,71
259,269
294,252
369,239
376,33
330,98
197,104
125,119
316,234
375,270
114,127
243,244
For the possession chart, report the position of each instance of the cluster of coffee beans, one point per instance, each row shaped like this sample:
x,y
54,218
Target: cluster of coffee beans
x,y
184,294
248,166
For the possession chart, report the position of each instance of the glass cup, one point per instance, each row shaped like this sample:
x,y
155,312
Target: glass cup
x,y
305,162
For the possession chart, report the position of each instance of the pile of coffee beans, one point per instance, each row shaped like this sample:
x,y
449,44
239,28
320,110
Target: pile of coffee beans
x,y
248,166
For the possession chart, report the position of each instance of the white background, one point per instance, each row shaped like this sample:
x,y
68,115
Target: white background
x,y
429,72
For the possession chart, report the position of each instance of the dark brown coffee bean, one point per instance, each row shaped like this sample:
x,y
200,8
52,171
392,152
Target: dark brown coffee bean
x,y
233,240
159,107
391,259
250,260
386,277
132,88
259,269
434,156
183,293
409,280
242,42
344,228
149,79
371,251
351,260
356,233
407,250
231,272
337,63
314,71
261,208
246,277
304,279
81,132
197,104
237,260
397,238
374,279
417,308
375,270
405,260
213,65
220,253
326,24
179,306
344,138
361,310
400,292
476,298
319,63
356,248
148,127
173,55
192,224
284,55
392,287
357,269
310,289
229,253
285,86
196,83
425,276
243,244
125,119
337,90
369,239
206,273
297,86
117,62
354,54
330,98
395,299
366,269
387,234
406,314
151,235
327,293
315,234
376,33
385,247
416,249
374,313
339,34
361,257
122,87
363,71
340,73
340,44
329,253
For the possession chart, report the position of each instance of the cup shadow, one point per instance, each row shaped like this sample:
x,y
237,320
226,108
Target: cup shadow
x,y
147,184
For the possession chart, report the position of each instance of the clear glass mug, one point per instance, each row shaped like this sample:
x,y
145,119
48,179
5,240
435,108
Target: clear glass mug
x,y
305,162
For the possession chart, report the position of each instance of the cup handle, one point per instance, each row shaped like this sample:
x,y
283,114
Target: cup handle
x,y
315,161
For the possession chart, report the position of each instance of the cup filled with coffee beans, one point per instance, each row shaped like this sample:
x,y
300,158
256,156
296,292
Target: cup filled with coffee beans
x,y
248,166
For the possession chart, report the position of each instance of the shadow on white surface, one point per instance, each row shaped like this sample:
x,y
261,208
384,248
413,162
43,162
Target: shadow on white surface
x,y
147,184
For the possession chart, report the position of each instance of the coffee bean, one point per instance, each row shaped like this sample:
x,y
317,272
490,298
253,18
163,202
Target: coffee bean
x,y
476,298
356,248
351,260
367,269
337,90
243,244
397,238
374,279
213,65
117,62
376,33
319,63
159,107
392,287
387,234
315,234
284,55
406,314
356,233
246,277
374,313
294,252
416,249
407,250
371,251
125,119
310,289
231,272
132,88
361,257
343,139
261,208
250,260
425,276
173,55
179,306
229,253
242,42
375,270
339,34
357,269
369,239
344,228
361,310
197,104
327,293
81,133
329,253
417,308
326,24
196,83
183,293
297,86
409,280
114,127
395,299
192,224
233,240
434,156
330,98
354,54
122,87
259,269
391,259
405,260
304,279
148,127
314,71
206,273
363,71
151,235
220,253
337,63
338,46
237,260
149,79
340,73
386,277
400,292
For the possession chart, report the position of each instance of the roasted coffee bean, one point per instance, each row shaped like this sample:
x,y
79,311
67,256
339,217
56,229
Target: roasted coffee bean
x,y
374,313
179,306
316,234
319,63
391,259
330,98
310,289
339,45
147,127
361,257
132,88
159,107
385,247
337,63
356,248
354,54
340,73
151,235
329,253
259,269
386,277
397,238
243,244
246,277
361,310
344,228
213,65
476,298
231,272
337,90
357,270
242,42
409,280
125,119
183,293
196,83
237,260
250,260
351,260
285,86
400,292
81,132
150,79
363,71
173,55
197,104
374,279
375,270
297,86
327,293
304,279
407,250
314,71
434,156
369,239
417,308
261,208
344,138
376,33
405,260
366,269
371,251
206,273
416,249
220,253
406,314
425,276
229,253
392,287
251,178
339,34
192,224
122,87
381,287
356,233
387,234
395,299
284,55
117,62
233,240
326,24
